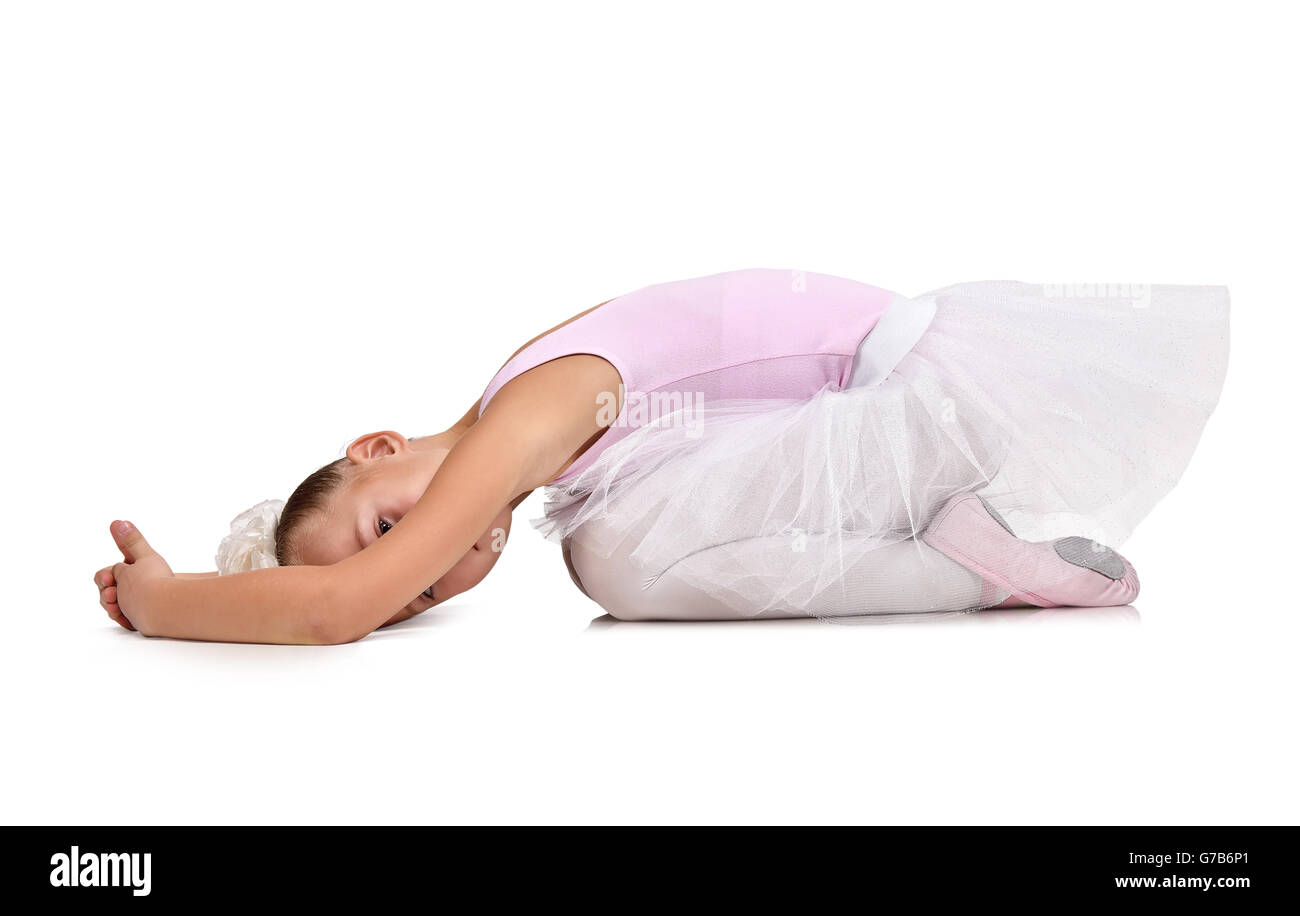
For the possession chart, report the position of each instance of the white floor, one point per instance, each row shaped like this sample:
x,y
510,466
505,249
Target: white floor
x,y
515,705
233,238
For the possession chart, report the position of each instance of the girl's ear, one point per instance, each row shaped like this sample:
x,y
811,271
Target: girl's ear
x,y
376,445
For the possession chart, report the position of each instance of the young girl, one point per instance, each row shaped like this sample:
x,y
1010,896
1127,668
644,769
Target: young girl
x,y
751,443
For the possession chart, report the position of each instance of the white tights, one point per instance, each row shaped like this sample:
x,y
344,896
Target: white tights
x,y
907,577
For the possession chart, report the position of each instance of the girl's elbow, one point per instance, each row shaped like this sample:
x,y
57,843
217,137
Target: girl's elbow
x,y
327,627
332,623
333,616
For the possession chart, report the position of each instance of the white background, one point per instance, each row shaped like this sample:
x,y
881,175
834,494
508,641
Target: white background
x,y
233,236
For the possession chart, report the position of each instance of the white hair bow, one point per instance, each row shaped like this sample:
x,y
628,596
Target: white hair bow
x,y
251,542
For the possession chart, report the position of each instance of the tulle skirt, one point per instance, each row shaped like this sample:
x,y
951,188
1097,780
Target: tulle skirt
x,y
1072,411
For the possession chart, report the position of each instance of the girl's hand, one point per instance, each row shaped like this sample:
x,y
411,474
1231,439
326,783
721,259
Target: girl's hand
x,y
125,588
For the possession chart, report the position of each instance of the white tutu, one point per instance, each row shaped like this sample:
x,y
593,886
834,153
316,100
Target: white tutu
x,y
1070,414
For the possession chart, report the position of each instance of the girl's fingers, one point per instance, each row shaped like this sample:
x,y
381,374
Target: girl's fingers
x,y
114,611
106,580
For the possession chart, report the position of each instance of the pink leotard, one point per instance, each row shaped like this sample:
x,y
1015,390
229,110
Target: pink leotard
x,y
758,333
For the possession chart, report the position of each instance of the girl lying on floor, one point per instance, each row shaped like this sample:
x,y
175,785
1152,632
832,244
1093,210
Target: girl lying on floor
x,y
754,443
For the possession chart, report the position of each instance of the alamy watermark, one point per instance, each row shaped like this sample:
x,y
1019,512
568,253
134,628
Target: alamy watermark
x,y
677,409
102,869
1137,295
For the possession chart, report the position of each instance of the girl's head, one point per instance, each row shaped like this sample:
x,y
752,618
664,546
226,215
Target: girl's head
x,y
349,503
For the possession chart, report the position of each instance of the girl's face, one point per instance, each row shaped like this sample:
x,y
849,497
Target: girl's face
x,y
387,475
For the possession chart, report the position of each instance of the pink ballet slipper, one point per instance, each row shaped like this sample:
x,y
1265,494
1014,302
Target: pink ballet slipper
x,y
1069,572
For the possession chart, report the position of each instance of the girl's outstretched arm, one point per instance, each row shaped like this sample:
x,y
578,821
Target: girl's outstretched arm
x,y
533,428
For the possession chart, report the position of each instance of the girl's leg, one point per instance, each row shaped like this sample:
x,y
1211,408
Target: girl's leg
x,y
968,558
904,578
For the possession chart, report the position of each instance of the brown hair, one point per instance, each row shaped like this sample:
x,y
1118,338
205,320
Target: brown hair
x,y
310,497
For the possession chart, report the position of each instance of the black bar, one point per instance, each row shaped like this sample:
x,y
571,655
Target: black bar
x,y
626,866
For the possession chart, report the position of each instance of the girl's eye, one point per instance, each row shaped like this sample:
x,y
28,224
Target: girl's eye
x,y
384,527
